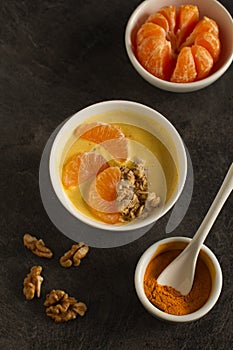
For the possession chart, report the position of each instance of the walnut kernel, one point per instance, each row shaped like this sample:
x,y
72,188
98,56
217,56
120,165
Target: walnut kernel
x,y
32,283
62,308
37,246
74,255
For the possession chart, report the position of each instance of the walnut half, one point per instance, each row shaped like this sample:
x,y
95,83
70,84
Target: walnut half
x,y
32,283
62,308
74,255
37,246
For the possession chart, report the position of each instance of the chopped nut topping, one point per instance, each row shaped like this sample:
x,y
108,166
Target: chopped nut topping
x,y
133,196
153,200
32,283
74,255
37,246
62,308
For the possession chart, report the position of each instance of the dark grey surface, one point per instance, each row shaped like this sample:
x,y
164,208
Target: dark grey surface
x,y
57,57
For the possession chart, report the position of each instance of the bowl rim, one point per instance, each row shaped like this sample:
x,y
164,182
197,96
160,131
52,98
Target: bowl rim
x,y
164,84
139,276
111,105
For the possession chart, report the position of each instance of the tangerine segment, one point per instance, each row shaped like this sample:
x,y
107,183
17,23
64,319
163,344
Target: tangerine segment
x,y
98,132
160,20
107,218
149,30
203,61
187,18
85,127
169,12
110,136
185,70
211,42
82,167
154,52
106,183
205,25
102,194
161,62
146,49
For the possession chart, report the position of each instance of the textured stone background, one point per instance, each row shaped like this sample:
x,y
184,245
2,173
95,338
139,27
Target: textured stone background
x,y
57,57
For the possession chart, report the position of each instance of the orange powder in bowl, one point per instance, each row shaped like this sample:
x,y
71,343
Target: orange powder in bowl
x,y
167,298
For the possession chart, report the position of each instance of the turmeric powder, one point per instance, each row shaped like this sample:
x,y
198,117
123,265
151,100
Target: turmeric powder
x,y
167,298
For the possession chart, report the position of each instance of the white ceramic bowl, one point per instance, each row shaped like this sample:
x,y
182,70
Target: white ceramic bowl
x,y
136,114
210,260
209,8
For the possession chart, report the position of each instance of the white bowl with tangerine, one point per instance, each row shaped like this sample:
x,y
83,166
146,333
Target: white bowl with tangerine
x,y
180,46
118,165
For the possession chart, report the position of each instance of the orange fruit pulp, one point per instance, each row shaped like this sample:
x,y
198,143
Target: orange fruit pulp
x,y
81,167
102,193
108,135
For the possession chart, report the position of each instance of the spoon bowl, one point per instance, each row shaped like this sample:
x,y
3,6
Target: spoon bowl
x,y
179,274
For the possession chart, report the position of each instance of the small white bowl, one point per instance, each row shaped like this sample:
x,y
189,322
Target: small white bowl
x,y
179,242
136,114
210,8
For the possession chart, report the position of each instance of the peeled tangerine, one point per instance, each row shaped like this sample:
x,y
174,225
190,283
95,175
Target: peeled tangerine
x,y
177,46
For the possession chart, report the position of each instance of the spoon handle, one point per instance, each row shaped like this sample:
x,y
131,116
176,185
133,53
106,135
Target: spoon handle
x,y
215,208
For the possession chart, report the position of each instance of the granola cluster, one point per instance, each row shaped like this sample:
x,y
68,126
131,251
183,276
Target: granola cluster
x,y
62,308
133,196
